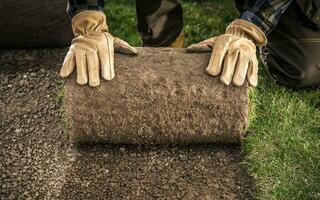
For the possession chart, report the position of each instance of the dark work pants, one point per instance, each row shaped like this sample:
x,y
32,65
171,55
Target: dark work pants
x,y
292,55
159,21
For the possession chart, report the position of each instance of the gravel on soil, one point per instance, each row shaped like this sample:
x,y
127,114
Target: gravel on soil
x,y
37,160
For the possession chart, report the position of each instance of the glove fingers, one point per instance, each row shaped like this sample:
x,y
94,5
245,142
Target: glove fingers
x,y
216,60
106,56
82,72
252,75
241,70
203,46
123,47
68,65
199,48
93,68
229,67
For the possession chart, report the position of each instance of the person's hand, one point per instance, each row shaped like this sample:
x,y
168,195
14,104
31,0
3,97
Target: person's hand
x,y
92,50
234,53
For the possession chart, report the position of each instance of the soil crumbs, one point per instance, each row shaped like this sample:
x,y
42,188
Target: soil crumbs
x,y
38,162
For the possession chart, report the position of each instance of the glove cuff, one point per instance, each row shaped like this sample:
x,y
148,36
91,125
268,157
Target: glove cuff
x,y
88,22
244,28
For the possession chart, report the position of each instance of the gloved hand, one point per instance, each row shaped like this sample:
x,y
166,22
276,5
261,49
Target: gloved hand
x,y
92,49
234,53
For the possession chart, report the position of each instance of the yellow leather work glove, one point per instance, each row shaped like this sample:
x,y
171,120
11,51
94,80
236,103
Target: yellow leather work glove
x,y
234,53
92,49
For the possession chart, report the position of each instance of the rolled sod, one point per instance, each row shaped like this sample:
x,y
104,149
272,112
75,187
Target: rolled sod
x,y
161,96
34,23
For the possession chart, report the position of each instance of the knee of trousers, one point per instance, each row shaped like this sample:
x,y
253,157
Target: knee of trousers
x,y
159,22
162,39
297,73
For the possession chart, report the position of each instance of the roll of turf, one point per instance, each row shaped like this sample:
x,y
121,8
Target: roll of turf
x,y
161,96
34,23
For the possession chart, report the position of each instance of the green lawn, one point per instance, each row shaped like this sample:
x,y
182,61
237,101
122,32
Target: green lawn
x,y
282,148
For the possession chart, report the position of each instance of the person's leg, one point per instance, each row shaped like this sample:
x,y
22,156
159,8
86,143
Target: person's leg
x,y
160,22
292,55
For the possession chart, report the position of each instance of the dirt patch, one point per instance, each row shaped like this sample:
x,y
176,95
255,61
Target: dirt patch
x,y
37,161
181,172
33,23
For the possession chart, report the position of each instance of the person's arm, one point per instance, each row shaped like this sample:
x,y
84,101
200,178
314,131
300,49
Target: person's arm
x,y
264,13
234,52
76,6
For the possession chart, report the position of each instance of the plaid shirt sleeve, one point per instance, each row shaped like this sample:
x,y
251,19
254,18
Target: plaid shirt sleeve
x,y
76,6
265,13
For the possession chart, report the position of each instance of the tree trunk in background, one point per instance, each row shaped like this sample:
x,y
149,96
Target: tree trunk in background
x,y
34,23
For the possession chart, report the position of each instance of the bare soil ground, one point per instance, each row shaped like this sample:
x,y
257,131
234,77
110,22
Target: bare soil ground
x,y
38,162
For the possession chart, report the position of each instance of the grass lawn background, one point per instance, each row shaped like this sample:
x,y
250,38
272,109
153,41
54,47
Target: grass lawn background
x,y
282,148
